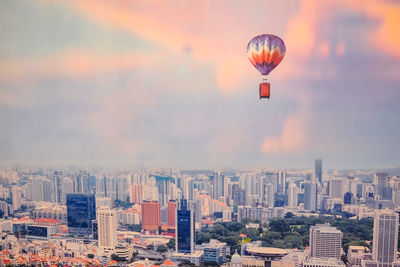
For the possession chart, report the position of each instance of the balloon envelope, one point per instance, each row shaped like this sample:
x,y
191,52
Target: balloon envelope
x,y
265,52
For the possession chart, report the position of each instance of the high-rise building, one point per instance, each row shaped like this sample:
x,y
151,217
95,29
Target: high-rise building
x,y
318,170
107,229
335,188
81,211
218,184
16,198
136,193
57,185
37,189
151,216
281,182
384,244
310,196
325,241
184,231
171,213
293,195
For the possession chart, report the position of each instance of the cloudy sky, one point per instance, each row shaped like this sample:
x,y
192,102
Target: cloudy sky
x,y
168,83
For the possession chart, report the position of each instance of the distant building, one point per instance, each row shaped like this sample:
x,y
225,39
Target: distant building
x,y
107,229
310,196
323,262
384,244
281,182
214,252
348,198
325,241
16,198
50,211
196,257
318,170
184,231
335,188
355,255
293,195
236,260
136,193
171,213
81,211
104,202
151,218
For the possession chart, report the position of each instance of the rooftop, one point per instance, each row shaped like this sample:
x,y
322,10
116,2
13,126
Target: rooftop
x,y
266,251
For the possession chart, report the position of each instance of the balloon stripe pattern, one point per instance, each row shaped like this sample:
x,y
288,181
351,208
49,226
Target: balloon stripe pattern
x,y
265,52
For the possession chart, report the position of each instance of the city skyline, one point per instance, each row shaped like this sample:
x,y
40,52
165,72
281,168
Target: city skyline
x,y
169,85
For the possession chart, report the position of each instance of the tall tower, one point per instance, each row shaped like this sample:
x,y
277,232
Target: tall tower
x,y
281,182
310,196
325,241
318,170
292,195
107,229
384,244
16,198
184,233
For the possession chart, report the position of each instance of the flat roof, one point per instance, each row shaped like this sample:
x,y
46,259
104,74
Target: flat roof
x,y
266,251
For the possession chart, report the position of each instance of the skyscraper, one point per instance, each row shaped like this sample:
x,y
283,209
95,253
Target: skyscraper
x,y
292,195
81,211
310,196
16,198
171,213
318,170
384,244
184,235
107,229
281,182
151,215
335,188
325,241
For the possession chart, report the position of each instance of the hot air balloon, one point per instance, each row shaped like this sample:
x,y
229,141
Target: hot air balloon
x,y
265,52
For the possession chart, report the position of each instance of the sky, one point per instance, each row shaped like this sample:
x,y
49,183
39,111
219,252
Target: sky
x,y
168,83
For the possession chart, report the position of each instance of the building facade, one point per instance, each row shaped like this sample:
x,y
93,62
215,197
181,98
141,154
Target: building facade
x,y
81,211
325,241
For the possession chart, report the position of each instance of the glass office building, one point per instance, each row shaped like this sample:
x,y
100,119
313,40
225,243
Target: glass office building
x,y
81,211
184,229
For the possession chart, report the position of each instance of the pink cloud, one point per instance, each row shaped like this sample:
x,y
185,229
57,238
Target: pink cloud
x,y
292,139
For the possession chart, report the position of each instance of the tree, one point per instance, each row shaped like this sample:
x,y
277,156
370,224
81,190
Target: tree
x,y
289,215
186,263
114,257
171,243
150,247
161,249
279,225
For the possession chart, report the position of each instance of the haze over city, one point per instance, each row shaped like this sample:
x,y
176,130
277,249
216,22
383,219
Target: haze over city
x,y
149,83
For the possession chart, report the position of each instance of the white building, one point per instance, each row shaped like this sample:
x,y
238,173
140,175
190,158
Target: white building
x,y
107,230
325,241
323,262
293,195
386,227
16,198
355,255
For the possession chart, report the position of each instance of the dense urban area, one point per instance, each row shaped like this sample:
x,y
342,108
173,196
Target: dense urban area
x,y
165,217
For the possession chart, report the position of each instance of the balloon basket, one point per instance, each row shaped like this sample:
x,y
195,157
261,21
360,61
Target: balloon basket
x,y
264,90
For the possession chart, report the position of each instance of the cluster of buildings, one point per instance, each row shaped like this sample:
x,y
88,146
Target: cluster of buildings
x,y
111,215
